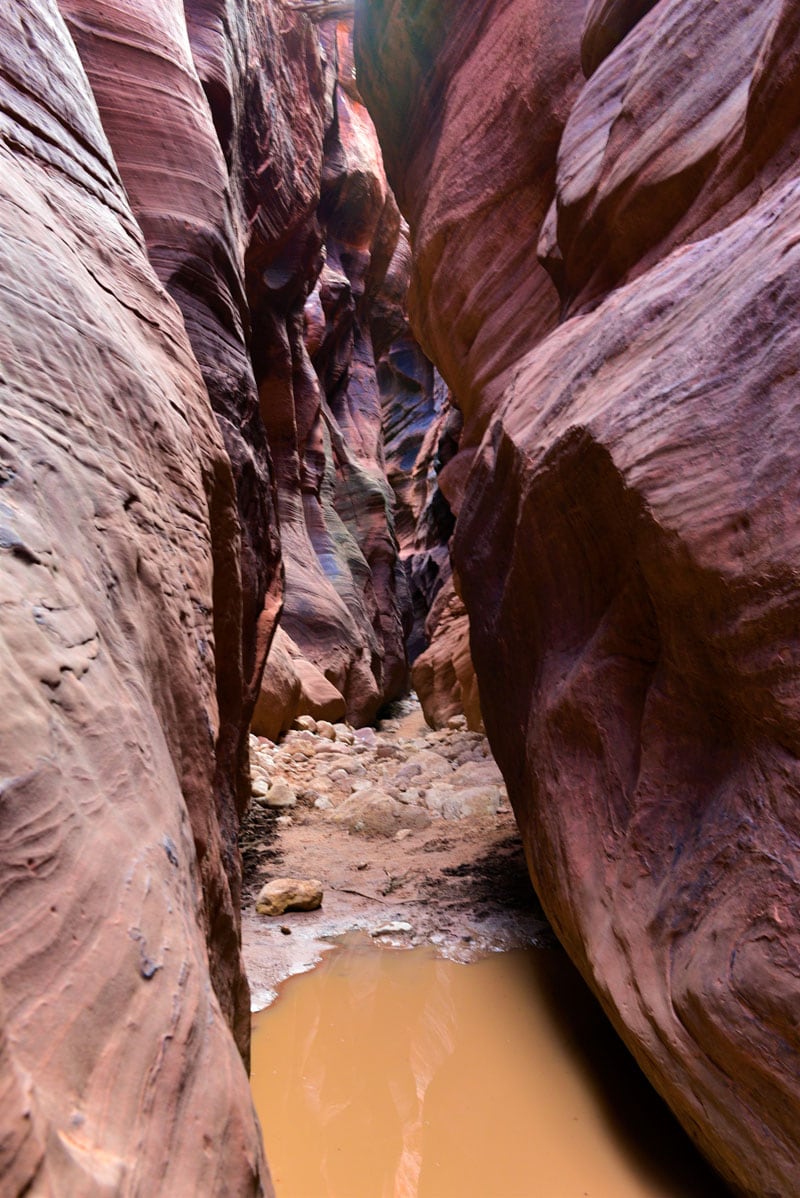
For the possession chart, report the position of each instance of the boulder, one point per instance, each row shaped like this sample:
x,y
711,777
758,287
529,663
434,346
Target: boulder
x,y
280,794
289,894
279,695
443,675
293,692
370,812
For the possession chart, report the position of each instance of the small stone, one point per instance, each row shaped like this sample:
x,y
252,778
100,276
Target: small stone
x,y
280,794
392,929
365,736
326,729
402,834
284,821
457,723
305,723
344,734
285,931
477,773
303,751
289,894
259,788
322,803
402,796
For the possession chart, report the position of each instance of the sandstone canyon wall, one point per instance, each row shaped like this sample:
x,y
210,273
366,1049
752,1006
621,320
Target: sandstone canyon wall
x,y
198,247
117,895
340,649
605,208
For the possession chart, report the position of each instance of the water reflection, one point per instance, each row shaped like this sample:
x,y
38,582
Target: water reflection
x,y
387,1074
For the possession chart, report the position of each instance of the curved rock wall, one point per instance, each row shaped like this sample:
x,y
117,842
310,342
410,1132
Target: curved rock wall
x,y
341,649
627,536
116,502
198,246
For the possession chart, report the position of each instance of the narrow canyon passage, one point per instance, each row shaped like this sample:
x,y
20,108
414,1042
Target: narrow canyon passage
x,y
475,1063
348,348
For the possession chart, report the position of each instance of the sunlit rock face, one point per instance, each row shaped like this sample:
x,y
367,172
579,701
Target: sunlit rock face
x,y
627,541
117,504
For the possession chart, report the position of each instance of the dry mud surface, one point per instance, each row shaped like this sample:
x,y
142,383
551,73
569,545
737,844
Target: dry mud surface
x,y
405,826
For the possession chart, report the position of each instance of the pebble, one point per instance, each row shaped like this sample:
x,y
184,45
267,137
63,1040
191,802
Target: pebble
x,y
392,929
410,770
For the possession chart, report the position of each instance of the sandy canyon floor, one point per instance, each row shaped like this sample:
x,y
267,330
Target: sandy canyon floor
x,y
409,832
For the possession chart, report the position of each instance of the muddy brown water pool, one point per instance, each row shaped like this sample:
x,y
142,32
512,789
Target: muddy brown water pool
x,y
396,1074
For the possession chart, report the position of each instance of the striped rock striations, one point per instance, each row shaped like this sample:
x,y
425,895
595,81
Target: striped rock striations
x,y
627,538
117,504
170,175
340,649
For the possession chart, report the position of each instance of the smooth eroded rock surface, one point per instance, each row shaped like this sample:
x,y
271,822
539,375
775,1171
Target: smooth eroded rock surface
x,y
627,539
116,909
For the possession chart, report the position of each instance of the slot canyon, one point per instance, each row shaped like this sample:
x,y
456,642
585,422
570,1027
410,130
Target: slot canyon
x,y
355,352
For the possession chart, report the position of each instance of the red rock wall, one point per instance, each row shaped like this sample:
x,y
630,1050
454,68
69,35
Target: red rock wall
x,y
627,537
421,433
198,241
342,646
117,503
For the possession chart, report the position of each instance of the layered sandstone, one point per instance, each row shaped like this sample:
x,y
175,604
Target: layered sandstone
x,y
202,271
627,539
117,506
421,433
342,649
